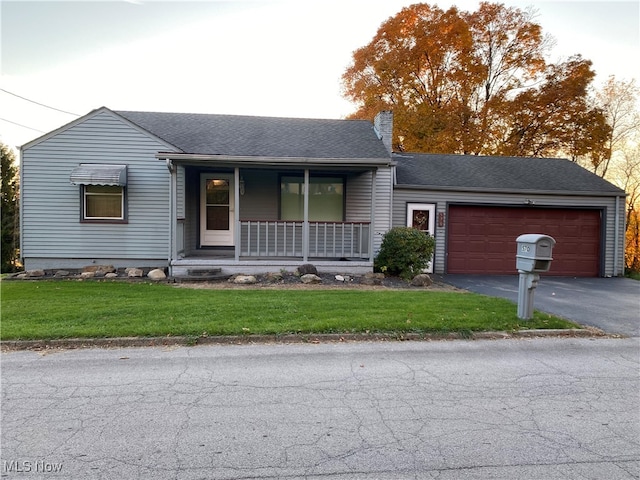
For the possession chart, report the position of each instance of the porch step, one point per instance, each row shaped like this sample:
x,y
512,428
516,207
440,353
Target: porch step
x,y
202,275
200,272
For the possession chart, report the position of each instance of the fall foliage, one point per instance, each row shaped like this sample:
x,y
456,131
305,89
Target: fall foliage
x,y
617,100
479,83
620,164
475,83
632,250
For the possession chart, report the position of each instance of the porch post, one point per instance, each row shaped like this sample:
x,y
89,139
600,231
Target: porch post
x,y
305,222
173,208
372,225
236,213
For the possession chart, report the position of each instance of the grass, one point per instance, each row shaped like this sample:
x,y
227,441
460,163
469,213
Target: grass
x,y
77,309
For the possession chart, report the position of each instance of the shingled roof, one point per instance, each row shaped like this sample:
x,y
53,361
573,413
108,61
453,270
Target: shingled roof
x,y
238,135
468,172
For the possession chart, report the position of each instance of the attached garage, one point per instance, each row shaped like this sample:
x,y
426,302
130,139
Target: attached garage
x,y
481,239
480,205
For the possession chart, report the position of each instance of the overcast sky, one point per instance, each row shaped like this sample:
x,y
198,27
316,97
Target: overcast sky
x,y
265,57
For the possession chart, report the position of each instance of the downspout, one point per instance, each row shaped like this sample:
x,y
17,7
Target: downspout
x,y
616,238
21,205
172,212
305,220
236,214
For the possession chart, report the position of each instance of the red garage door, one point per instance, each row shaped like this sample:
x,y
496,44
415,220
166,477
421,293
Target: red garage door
x,y
483,239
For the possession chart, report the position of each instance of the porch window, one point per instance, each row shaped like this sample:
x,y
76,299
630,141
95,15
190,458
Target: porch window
x,y
102,202
326,198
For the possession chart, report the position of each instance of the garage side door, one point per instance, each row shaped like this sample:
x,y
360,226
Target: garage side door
x,y
482,240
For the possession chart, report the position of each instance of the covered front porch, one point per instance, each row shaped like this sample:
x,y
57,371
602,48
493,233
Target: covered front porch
x,y
232,216
264,245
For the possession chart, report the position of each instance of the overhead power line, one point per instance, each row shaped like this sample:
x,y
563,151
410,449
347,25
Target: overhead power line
x,y
38,103
20,125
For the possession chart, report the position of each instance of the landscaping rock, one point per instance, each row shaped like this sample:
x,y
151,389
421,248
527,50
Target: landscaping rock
x,y
244,279
156,274
273,277
373,278
87,274
343,278
99,270
61,274
133,272
310,278
34,273
422,280
307,268
111,275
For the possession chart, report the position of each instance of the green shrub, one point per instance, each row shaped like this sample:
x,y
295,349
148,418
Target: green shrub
x,y
404,252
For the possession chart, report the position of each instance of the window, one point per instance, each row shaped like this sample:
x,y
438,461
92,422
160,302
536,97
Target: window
x,y
102,202
326,198
102,191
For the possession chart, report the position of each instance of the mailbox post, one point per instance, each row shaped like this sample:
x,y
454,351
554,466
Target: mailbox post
x,y
533,256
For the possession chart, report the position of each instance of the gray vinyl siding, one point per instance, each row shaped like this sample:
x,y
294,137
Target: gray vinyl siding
x,y
180,192
51,205
358,197
383,207
261,199
444,198
359,201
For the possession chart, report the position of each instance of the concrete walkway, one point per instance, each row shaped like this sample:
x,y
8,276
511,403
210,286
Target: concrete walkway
x,y
611,304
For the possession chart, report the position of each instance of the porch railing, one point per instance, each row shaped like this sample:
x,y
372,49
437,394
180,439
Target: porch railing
x,y
262,238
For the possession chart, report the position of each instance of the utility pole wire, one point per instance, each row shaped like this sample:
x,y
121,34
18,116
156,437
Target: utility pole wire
x,y
20,125
38,103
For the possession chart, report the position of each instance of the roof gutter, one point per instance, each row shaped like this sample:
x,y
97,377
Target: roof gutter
x,y
441,188
274,161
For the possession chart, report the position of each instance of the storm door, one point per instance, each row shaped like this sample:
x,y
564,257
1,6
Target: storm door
x,y
422,217
216,209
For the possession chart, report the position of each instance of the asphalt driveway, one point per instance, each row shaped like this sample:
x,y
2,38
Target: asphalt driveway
x,y
611,304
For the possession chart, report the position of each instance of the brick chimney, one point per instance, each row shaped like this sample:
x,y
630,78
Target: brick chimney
x,y
383,126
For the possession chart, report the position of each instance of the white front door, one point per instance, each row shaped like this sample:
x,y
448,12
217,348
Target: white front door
x,y
423,217
217,209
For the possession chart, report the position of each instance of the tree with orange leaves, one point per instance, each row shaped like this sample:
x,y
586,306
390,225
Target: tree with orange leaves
x,y
474,83
620,161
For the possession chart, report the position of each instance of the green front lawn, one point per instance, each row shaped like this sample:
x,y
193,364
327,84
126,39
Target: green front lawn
x,y
77,309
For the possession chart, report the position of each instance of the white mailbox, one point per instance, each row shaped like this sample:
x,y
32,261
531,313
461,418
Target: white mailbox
x,y
534,252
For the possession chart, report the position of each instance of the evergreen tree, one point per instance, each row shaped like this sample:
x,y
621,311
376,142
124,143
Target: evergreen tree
x,y
9,209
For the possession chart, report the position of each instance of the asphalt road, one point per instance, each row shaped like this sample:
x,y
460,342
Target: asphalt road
x,y
552,408
610,304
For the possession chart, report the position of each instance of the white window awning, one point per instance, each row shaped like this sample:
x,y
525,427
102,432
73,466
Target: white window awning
x,y
99,174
